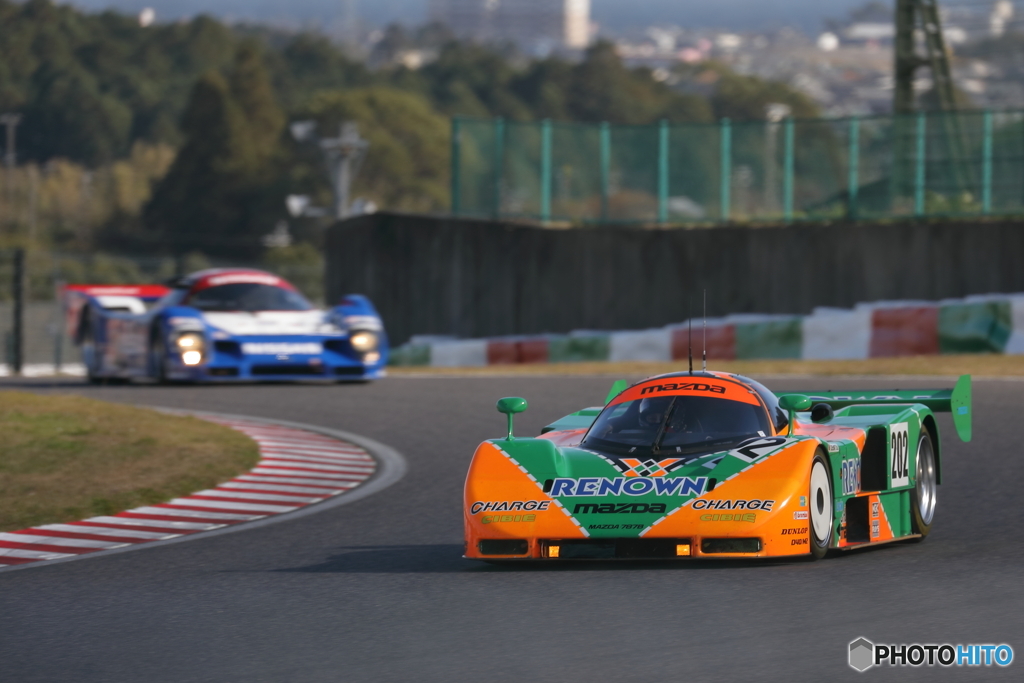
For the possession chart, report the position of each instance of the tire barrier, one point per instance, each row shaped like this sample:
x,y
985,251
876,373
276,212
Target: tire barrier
x,y
978,324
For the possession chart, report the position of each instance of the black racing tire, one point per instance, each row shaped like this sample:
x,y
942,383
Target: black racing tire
x,y
158,355
160,360
821,504
924,496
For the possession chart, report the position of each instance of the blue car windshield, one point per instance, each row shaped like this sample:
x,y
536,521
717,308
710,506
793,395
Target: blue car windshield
x,y
676,424
247,296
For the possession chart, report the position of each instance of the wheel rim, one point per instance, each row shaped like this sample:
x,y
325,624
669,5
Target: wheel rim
x,y
821,503
926,486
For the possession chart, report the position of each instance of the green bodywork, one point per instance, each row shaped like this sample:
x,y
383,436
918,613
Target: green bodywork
x,y
956,401
892,420
582,419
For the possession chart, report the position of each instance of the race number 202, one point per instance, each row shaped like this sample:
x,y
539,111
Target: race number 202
x,y
899,455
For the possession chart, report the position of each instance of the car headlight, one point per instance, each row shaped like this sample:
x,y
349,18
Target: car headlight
x,y
191,358
363,341
191,346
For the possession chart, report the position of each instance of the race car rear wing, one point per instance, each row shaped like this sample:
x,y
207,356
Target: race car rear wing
x,y
956,401
120,298
144,292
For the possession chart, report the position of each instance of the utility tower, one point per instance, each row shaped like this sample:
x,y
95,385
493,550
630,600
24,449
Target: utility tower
x,y
919,42
920,19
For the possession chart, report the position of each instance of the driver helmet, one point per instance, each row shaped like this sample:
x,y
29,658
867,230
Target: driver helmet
x,y
652,410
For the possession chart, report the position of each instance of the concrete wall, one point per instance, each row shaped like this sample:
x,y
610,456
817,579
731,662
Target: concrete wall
x,y
473,278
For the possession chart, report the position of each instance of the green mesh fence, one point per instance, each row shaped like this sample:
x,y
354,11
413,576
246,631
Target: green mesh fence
x,y
941,164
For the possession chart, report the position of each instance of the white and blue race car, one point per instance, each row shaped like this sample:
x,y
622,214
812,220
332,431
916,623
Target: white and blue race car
x,y
222,325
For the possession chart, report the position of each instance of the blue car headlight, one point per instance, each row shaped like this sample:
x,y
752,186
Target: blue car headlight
x,y
364,341
191,346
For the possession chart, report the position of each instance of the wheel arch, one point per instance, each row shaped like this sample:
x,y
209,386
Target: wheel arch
x,y
155,330
930,425
82,326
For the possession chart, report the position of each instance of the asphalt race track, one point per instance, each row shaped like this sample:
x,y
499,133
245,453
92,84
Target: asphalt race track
x,y
376,590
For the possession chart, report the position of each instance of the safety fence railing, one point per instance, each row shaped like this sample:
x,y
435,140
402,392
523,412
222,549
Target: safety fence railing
x,y
871,168
32,325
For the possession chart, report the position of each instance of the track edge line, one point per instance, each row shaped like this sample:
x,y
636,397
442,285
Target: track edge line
x,y
391,467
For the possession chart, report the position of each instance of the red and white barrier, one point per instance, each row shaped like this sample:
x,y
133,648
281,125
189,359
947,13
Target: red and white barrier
x,y
459,353
837,334
643,345
977,324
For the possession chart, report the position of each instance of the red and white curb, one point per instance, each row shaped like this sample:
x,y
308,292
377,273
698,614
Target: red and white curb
x,y
297,468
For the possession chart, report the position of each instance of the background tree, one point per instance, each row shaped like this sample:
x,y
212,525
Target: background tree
x,y
197,203
101,94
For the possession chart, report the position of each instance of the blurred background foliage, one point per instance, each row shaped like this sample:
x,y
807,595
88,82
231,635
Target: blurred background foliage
x,y
171,139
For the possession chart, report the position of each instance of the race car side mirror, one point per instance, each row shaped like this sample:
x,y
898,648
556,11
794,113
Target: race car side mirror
x,y
510,406
792,403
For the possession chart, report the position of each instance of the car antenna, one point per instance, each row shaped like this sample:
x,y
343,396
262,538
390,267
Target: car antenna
x,y
689,334
704,352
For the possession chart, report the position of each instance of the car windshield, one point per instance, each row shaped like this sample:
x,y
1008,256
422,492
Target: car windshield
x,y
677,424
247,296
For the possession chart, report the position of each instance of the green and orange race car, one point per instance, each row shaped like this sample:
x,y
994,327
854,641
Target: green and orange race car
x,y
712,465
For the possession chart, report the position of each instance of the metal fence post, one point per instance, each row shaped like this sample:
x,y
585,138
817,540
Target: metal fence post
x,y
545,170
986,165
606,167
58,331
919,171
18,324
853,170
787,172
456,165
725,164
663,133
499,164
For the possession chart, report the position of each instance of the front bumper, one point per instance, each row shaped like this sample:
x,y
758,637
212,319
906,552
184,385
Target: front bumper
x,y
689,548
226,362
228,374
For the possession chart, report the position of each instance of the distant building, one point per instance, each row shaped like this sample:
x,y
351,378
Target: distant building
x,y
577,23
871,31
534,25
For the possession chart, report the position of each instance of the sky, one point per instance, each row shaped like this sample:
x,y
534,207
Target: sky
x,y
727,14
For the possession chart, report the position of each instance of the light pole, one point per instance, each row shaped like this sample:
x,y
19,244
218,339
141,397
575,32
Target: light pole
x,y
344,155
10,121
775,113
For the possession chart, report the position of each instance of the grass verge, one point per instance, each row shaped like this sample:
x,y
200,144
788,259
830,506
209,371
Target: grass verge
x,y
951,365
66,457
